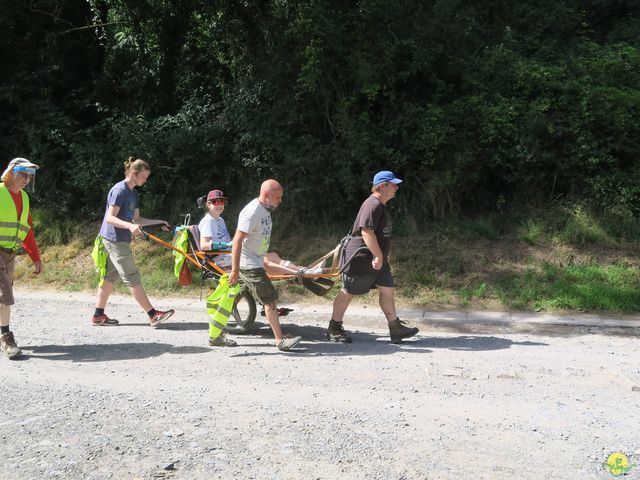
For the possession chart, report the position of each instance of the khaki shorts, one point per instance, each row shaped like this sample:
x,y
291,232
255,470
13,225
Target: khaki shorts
x,y
258,283
7,267
120,264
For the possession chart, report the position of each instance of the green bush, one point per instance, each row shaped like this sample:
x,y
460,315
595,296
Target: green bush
x,y
477,105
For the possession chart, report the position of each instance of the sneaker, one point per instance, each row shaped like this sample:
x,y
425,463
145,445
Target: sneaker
x,y
103,321
287,343
222,341
8,345
399,330
336,333
160,317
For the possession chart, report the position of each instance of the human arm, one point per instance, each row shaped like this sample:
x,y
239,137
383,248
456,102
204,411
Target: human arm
x,y
370,240
205,243
29,243
236,249
112,219
30,246
143,222
207,232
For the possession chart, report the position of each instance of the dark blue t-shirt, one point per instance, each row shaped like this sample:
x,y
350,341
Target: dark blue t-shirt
x,y
126,198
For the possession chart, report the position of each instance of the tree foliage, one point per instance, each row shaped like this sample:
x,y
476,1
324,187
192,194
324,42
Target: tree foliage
x,y
476,104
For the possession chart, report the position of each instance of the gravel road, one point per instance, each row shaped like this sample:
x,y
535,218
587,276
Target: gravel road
x,y
132,402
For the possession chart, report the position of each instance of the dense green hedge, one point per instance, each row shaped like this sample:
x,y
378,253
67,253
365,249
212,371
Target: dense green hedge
x,y
479,105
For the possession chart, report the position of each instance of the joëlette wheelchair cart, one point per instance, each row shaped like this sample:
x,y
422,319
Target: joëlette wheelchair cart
x,y
244,311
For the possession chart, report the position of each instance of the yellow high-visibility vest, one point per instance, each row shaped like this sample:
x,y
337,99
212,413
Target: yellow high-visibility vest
x,y
100,256
182,242
13,230
220,304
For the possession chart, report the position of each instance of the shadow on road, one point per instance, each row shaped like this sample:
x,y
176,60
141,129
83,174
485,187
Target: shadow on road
x,y
176,326
106,352
475,343
314,343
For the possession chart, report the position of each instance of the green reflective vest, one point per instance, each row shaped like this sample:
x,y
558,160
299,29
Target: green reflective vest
x,y
13,231
100,256
220,304
181,242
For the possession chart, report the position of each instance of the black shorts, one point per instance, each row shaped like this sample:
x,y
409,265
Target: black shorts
x,y
360,284
261,287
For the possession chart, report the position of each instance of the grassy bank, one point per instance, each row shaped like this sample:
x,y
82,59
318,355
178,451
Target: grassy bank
x,y
551,263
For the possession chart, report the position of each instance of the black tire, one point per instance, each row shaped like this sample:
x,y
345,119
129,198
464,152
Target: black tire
x,y
243,314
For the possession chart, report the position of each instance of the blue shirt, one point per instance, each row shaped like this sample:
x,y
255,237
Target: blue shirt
x,y
126,198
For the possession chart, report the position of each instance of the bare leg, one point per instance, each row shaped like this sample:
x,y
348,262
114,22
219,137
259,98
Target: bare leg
x,y
5,315
387,302
141,297
271,312
340,305
275,265
138,293
397,329
103,294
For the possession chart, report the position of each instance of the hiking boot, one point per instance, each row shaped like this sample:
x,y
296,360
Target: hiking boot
x,y
103,320
287,343
160,317
222,341
8,345
336,333
399,330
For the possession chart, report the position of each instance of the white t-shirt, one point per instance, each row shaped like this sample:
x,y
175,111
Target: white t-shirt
x,y
255,221
216,229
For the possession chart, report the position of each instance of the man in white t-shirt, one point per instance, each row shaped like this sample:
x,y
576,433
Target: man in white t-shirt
x,y
250,246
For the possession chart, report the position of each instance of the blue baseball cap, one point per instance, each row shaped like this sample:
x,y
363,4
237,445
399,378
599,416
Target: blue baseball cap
x,y
385,176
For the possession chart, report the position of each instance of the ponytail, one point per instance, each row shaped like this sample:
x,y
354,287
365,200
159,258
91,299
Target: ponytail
x,y
135,165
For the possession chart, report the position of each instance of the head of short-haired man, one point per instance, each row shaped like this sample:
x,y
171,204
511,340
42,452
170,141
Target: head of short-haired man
x,y
385,185
270,194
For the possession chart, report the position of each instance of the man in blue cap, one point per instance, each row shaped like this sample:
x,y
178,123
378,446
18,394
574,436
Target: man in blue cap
x,y
15,231
365,261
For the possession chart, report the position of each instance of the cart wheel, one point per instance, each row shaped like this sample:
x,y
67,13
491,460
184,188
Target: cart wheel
x,y
243,314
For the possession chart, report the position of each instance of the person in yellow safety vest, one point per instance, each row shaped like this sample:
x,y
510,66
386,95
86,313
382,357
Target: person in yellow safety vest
x,y
15,231
219,307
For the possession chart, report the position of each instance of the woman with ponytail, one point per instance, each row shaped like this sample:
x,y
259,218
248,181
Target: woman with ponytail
x,y
121,221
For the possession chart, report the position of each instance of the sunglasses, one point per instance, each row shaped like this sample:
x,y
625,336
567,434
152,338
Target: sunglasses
x,y
219,201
